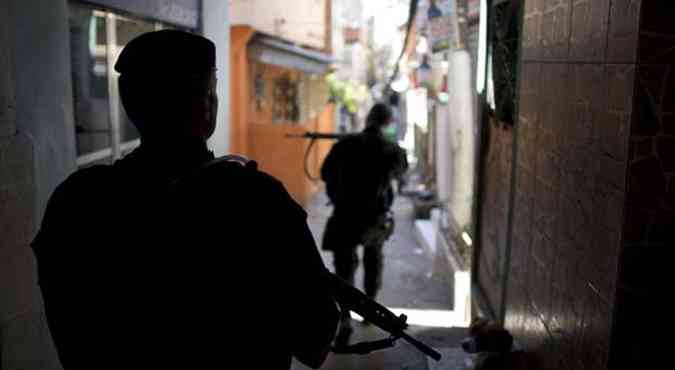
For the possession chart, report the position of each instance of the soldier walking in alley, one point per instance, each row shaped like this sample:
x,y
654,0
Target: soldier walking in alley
x,y
170,258
358,173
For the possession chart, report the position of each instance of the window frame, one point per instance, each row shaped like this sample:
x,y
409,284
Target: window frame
x,y
117,148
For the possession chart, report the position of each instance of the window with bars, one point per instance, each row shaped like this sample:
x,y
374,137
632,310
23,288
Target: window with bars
x,y
103,132
286,100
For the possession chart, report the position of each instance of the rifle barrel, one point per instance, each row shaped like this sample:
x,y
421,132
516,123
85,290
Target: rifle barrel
x,y
317,135
421,346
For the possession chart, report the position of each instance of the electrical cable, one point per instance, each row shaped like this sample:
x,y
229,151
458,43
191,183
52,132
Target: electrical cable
x,y
306,167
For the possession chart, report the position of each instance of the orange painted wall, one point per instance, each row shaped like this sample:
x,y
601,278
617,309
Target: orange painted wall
x,y
284,158
256,136
239,89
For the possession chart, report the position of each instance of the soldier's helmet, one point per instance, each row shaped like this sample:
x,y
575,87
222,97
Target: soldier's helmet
x,y
379,115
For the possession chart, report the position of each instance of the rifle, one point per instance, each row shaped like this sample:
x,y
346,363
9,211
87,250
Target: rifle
x,y
354,300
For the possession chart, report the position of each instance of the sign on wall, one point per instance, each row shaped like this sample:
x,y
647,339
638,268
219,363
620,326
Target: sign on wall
x,y
472,9
441,29
437,19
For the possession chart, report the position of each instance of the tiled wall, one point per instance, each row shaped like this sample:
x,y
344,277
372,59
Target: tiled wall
x,y
594,205
649,231
579,70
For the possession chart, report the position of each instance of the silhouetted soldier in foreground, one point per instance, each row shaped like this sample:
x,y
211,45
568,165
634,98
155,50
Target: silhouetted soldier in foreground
x,y
169,259
358,172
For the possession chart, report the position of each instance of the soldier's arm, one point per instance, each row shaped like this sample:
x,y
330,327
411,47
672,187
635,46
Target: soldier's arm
x,y
312,309
62,208
328,166
315,310
402,160
49,242
329,170
51,250
398,161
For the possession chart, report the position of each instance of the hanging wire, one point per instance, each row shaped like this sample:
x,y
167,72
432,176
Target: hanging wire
x,y
307,172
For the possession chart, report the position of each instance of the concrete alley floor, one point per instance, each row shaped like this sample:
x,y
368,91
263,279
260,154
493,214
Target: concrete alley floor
x,y
408,286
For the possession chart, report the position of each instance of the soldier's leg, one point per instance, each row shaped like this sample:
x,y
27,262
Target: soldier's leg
x,y
345,261
335,240
372,264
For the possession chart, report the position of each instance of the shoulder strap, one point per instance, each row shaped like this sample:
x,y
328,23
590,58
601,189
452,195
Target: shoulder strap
x,y
230,159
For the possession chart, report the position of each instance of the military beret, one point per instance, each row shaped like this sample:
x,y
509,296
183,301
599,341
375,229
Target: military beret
x,y
167,51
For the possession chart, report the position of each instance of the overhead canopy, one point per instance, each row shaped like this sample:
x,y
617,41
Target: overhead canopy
x,y
269,50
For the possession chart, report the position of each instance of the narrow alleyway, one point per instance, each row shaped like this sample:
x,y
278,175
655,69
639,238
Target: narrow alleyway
x,y
408,287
